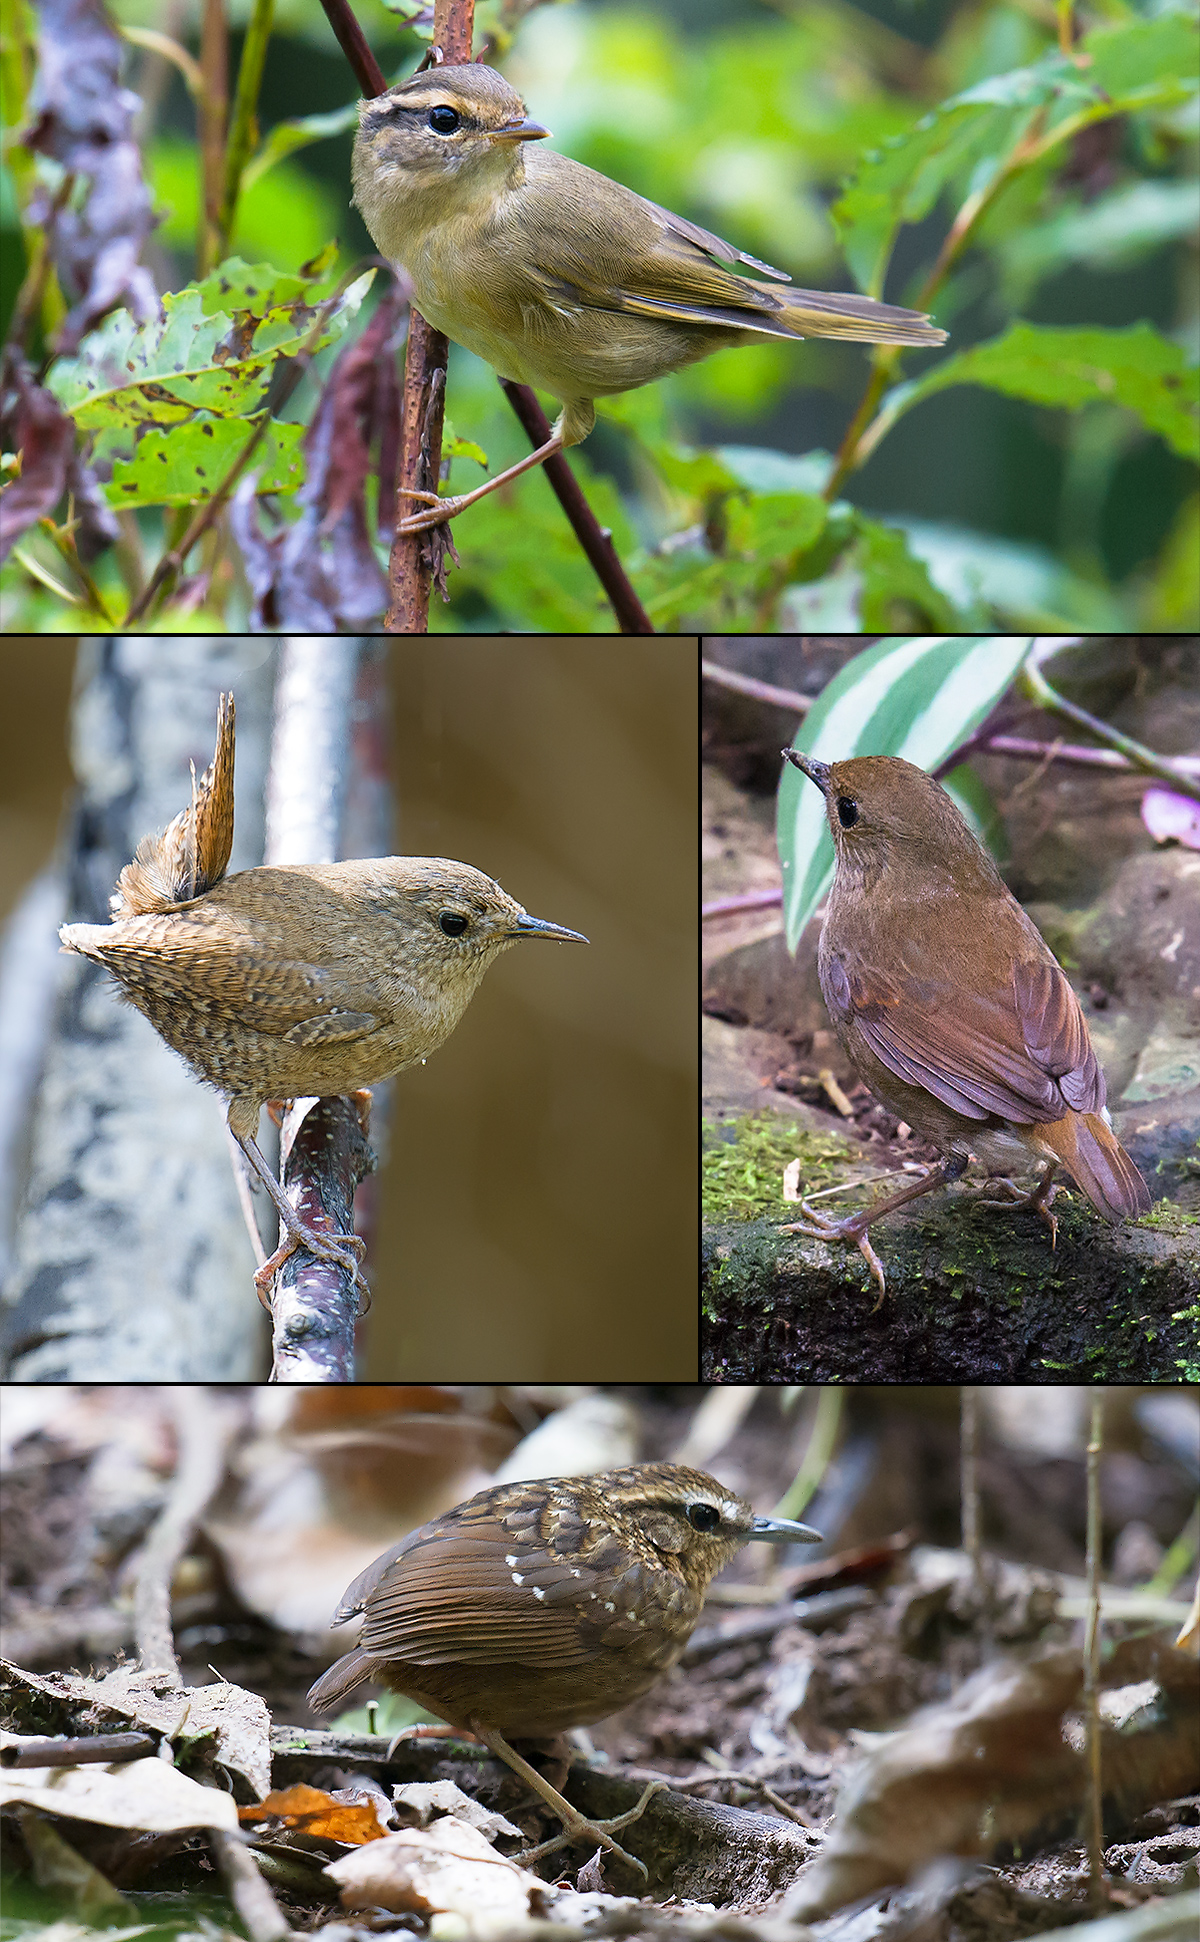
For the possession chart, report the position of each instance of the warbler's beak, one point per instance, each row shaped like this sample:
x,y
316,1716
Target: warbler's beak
x,y
817,772
518,131
781,1530
527,926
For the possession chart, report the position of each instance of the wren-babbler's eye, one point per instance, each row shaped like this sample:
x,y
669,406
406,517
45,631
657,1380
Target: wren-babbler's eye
x,y
703,1517
847,810
451,923
444,121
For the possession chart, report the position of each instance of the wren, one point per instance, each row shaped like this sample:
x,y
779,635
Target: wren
x,y
950,1006
547,1604
299,979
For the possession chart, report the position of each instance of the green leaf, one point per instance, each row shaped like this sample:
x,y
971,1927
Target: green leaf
x,y
1136,367
766,538
1141,64
287,137
917,698
185,465
191,360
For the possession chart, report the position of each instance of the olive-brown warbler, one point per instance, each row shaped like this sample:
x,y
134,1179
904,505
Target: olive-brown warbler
x,y
555,275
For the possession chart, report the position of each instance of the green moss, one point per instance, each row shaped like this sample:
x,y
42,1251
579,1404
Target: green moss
x,y
744,1161
1169,1217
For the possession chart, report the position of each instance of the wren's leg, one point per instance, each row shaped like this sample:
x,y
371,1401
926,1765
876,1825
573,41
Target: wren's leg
x,y
346,1249
853,1230
439,509
576,1826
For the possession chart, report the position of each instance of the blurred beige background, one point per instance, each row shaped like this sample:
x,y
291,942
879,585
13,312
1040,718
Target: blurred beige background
x,y
537,1212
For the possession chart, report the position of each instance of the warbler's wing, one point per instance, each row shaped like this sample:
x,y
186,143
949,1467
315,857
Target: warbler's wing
x,y
628,254
1023,1053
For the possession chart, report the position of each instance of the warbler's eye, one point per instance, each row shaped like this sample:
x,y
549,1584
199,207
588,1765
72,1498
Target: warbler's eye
x,y
444,121
703,1517
847,811
452,923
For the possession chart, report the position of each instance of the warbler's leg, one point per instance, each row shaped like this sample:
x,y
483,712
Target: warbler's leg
x,y
576,1826
1039,1198
439,510
328,1245
853,1229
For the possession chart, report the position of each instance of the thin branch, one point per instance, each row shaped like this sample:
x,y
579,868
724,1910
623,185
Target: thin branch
x,y
745,684
1091,1661
325,1154
204,1429
1136,753
596,540
245,105
1123,752
415,558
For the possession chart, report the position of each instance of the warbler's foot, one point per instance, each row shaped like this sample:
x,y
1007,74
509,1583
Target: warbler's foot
x,y
852,1231
437,510
328,1245
579,1828
1039,1198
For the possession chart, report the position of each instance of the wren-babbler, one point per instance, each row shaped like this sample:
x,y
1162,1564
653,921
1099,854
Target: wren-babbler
x,y
299,979
948,1003
546,1604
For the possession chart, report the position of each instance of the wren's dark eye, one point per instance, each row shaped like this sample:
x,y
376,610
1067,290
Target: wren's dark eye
x,y
703,1517
451,923
847,811
444,121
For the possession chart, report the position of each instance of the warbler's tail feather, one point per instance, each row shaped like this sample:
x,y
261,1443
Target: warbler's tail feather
x,y
820,313
1099,1165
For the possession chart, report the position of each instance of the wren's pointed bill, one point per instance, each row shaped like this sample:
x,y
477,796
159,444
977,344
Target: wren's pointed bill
x,y
948,1003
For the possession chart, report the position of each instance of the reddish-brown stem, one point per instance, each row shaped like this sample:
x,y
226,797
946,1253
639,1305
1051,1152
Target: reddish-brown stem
x,y
212,109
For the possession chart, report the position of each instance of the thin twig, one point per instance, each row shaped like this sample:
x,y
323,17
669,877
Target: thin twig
x,y
749,900
204,1427
596,540
745,684
1136,753
1091,1660
412,564
314,1305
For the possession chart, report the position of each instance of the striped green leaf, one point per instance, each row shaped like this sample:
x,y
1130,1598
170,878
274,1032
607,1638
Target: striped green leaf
x,y
918,698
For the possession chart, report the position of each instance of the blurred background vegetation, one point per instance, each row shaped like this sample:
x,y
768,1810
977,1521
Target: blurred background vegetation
x,y
749,116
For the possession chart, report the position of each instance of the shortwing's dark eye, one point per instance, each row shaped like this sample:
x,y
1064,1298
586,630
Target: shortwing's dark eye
x,y
444,121
703,1517
451,923
847,811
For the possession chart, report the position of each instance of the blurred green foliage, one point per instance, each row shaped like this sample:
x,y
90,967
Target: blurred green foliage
x,y
1051,479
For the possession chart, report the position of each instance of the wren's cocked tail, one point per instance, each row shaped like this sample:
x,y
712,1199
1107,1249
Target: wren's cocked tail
x,y
296,980
949,1005
546,1604
555,275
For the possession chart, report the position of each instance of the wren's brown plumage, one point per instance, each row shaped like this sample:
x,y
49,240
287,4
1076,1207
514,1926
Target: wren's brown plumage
x,y
948,1003
299,980
542,1605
